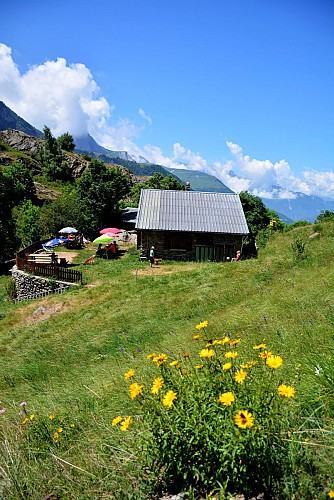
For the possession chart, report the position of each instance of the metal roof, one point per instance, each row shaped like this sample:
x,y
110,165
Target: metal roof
x,y
191,211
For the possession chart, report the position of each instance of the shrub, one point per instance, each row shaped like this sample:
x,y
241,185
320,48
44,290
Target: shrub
x,y
216,421
298,249
11,289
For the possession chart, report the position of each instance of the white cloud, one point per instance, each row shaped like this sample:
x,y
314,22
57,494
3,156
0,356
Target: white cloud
x,y
119,136
66,98
276,180
319,183
145,116
9,76
262,178
61,96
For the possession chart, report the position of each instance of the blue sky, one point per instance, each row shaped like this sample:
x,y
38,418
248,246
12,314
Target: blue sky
x,y
242,89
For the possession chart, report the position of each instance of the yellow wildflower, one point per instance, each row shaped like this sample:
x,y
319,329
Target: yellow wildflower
x,y
24,421
231,354
184,372
286,391
265,354
60,429
51,417
153,355
116,421
235,342
32,416
173,363
135,389
244,419
196,337
129,374
178,365
227,398
202,325
198,367
157,384
240,376
260,346
331,494
249,364
126,423
160,359
72,425
55,436
186,354
168,398
206,353
227,366
274,361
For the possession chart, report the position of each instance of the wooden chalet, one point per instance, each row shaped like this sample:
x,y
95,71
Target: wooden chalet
x,y
190,225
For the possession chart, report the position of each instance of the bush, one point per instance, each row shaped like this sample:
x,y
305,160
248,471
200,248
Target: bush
x,y
215,422
298,249
11,289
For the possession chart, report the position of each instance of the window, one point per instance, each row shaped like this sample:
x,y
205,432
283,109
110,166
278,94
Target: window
x,y
178,241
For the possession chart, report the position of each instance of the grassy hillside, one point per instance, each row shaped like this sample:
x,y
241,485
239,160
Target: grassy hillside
x,y
65,356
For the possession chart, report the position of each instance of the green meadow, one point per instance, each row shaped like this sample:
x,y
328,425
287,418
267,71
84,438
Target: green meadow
x,y
65,357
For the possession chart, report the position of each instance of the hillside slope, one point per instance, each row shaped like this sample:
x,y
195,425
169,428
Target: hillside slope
x,y
66,355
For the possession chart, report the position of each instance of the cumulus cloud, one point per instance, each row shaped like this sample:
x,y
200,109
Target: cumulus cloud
x,y
66,98
262,178
276,180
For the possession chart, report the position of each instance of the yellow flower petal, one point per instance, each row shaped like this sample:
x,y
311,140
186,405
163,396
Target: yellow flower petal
x,y
227,398
286,391
169,398
244,419
126,423
274,361
116,421
135,389
206,353
129,374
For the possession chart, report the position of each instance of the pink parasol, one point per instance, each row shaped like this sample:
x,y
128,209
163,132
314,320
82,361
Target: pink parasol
x,y
113,230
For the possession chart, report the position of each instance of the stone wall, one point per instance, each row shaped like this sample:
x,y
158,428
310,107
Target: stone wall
x,y
223,245
29,286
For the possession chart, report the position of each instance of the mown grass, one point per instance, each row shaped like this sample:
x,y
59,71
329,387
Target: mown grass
x,y
70,359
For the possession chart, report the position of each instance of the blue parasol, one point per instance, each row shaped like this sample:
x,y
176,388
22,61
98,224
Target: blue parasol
x,y
55,242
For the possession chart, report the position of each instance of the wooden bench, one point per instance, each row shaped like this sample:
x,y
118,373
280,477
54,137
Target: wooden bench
x,y
42,258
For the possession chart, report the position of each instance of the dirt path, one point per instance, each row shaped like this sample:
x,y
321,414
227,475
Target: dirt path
x,y
69,256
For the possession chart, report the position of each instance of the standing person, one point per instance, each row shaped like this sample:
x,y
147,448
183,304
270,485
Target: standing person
x,y
238,256
152,256
54,260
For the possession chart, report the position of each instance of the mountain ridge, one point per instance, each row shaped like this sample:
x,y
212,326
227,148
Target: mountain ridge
x,y
301,207
10,120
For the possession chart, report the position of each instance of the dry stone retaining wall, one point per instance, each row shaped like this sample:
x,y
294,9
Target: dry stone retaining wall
x,y
29,286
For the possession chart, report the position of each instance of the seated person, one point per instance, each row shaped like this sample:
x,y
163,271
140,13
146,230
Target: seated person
x,y
112,250
99,251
